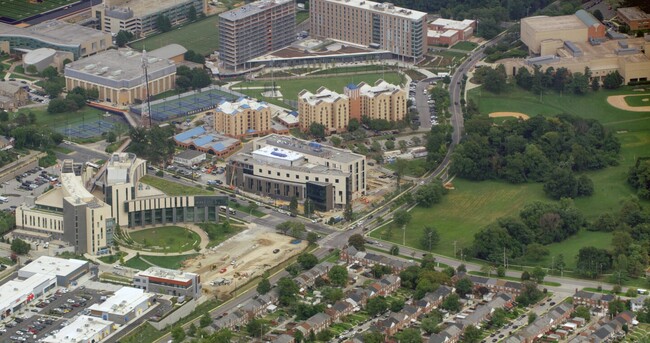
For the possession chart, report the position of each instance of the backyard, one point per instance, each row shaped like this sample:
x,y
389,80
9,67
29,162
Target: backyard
x,y
166,239
490,200
201,36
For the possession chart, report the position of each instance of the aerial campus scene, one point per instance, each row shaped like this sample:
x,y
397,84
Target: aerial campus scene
x,y
350,171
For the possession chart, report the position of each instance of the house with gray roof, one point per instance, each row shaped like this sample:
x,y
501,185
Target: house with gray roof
x,y
590,299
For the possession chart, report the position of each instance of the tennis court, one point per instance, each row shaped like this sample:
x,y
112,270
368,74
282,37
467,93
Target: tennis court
x,y
186,104
92,127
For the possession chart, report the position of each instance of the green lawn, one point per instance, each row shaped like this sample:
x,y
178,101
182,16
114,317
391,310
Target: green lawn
x,y
20,9
172,188
110,259
638,100
301,16
144,333
354,69
416,167
201,36
137,263
489,200
291,88
170,262
465,45
217,234
166,239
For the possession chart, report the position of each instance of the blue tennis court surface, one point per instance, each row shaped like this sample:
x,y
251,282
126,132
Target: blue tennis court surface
x,y
91,127
185,104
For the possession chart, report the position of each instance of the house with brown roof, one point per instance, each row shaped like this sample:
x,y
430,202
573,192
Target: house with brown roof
x,y
339,310
590,299
315,323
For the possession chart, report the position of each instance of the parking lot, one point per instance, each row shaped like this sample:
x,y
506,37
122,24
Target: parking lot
x,y
31,183
47,314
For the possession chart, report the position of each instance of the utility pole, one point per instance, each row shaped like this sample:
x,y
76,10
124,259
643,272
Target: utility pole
x,y
504,256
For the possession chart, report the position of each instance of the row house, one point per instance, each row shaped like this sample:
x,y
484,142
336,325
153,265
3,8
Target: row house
x,y
543,324
494,285
387,285
359,297
590,299
432,300
307,279
231,321
339,310
284,338
315,323
351,255
483,312
451,334
607,331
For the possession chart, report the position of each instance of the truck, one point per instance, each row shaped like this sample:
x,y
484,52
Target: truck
x,y
228,209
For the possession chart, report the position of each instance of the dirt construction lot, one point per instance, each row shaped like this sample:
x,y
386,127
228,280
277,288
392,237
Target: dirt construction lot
x,y
242,257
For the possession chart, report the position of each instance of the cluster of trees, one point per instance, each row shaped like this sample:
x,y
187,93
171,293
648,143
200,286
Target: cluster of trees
x,y
562,80
425,278
74,100
639,177
54,83
437,141
154,144
20,247
123,37
628,254
524,237
492,79
163,23
193,56
187,78
535,150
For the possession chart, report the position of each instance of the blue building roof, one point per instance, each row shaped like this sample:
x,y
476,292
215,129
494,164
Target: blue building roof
x,y
201,141
219,147
352,86
183,136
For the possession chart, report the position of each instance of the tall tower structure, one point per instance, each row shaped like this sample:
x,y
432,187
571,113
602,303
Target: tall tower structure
x,y
146,105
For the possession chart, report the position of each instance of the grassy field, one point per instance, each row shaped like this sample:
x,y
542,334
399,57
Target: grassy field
x,y
110,259
415,168
201,36
170,262
173,188
62,119
353,69
166,238
137,263
291,88
638,100
490,200
464,45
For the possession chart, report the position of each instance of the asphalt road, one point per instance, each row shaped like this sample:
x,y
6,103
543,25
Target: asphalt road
x,y
80,153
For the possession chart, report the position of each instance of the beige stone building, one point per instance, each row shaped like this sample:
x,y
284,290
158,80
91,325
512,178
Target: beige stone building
x,y
12,95
382,25
326,107
543,35
381,101
242,118
118,75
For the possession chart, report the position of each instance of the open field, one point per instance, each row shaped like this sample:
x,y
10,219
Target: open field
x,y
465,45
416,167
170,262
20,9
638,100
172,188
201,36
490,200
137,263
166,238
353,69
291,88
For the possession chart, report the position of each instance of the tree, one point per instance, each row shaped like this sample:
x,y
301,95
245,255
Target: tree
x,y
293,205
357,241
336,140
401,218
472,334
256,328
430,238
390,145
396,305
401,166
123,37
191,55
530,294
379,270
308,207
317,130
598,15
532,316
464,286
451,303
200,78
394,250
499,318
183,82
561,184
221,336
205,320
373,337
264,286
178,334
538,274
163,23
20,247
430,194
191,13
287,290
312,237
307,261
639,177
409,335
376,306
501,271
583,312
332,294
461,269
347,213
525,275
494,80
338,276
592,261
559,263
430,324
612,80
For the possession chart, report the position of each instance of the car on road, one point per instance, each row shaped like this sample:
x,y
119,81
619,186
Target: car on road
x,y
275,251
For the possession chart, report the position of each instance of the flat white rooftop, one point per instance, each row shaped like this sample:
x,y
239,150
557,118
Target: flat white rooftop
x,y
449,24
15,290
386,8
323,94
122,302
380,86
278,153
169,274
53,266
74,187
83,329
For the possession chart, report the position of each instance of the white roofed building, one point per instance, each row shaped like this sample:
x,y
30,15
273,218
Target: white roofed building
x,y
85,329
169,281
125,305
242,118
447,32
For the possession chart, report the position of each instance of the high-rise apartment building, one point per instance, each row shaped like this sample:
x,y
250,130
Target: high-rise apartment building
x,y
326,107
243,117
381,101
255,29
381,25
